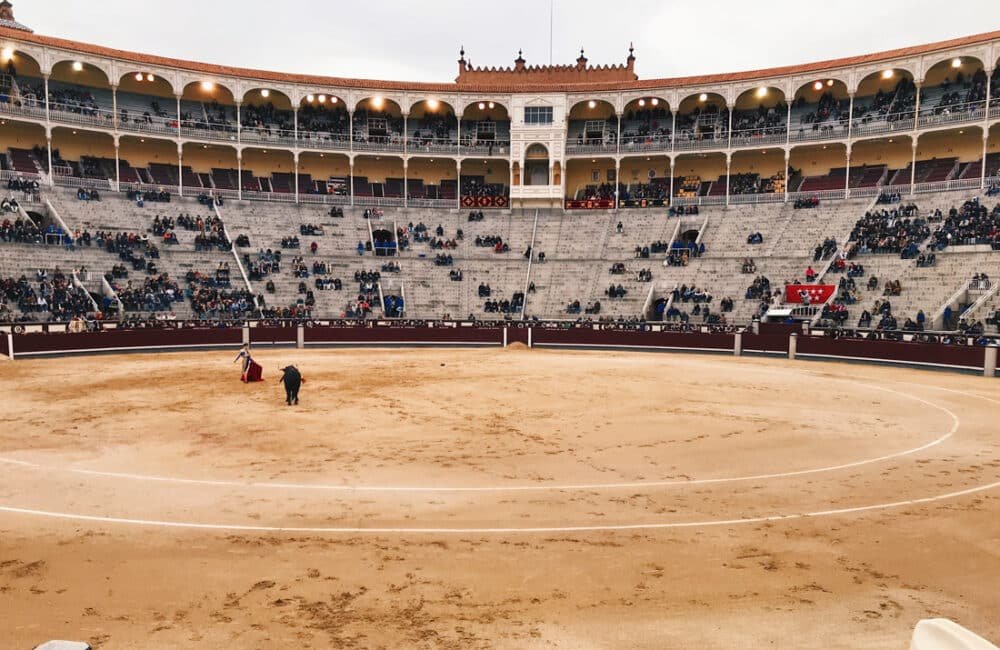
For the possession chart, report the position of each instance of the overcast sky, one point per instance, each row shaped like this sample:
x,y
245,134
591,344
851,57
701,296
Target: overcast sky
x,y
419,41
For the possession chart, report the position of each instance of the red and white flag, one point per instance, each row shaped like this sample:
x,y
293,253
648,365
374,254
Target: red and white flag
x,y
818,293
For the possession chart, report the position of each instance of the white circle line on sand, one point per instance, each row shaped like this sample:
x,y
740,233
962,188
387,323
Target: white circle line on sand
x,y
498,530
414,489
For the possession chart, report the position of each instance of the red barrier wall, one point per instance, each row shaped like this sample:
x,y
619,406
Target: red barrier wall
x,y
900,351
765,342
272,335
587,336
404,335
124,340
948,356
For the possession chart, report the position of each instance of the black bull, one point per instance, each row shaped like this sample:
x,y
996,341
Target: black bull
x,y
292,379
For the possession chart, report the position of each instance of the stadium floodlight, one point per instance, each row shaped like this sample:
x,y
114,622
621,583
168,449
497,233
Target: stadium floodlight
x,y
482,106
703,97
378,101
207,86
887,74
150,77
8,53
138,76
956,63
762,91
492,105
592,104
654,101
642,102
433,104
818,85
310,98
77,66
829,82
322,99
265,93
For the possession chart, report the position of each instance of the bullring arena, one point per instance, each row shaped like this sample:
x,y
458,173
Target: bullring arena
x,y
495,498
589,360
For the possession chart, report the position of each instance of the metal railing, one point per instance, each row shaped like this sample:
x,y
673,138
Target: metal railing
x,y
208,131
267,136
431,145
36,111
378,201
431,203
822,195
394,143
764,197
324,140
142,125
866,126
971,112
757,137
803,134
644,144
325,199
591,147
700,144
75,114
487,148
944,186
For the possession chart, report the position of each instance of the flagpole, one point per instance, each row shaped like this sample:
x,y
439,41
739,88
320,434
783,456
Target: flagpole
x,y
552,10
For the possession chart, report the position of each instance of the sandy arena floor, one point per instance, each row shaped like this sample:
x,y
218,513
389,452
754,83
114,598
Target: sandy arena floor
x,y
494,499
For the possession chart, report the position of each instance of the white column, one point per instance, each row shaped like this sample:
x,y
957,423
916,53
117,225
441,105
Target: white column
x,y
458,184
671,181
239,124
350,168
618,137
295,126
118,168
788,123
738,344
913,166
989,365
788,156
350,142
730,134
178,116
673,135
459,132
406,134
295,161
793,346
406,183
239,174
180,169
114,107
729,166
986,125
982,170
850,117
618,173
916,111
48,117
48,147
847,181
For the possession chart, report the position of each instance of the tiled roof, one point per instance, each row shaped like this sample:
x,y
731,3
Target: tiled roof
x,y
500,85
13,24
